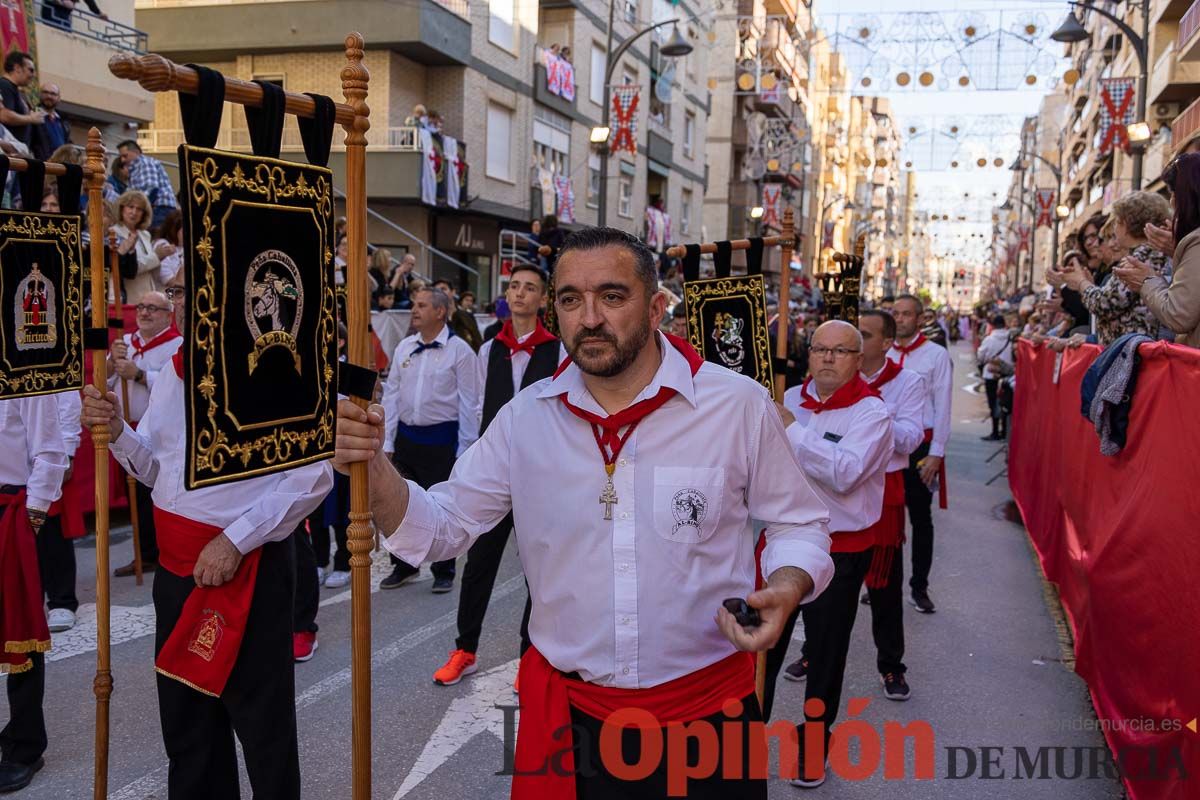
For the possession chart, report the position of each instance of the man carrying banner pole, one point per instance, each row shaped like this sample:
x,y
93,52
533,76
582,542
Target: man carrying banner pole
x,y
222,598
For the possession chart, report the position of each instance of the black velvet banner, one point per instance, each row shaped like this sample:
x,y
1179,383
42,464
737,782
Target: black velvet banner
x,y
727,324
41,303
260,345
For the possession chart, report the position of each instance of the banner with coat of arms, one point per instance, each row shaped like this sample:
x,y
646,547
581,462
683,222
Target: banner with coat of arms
x,y
624,111
1116,111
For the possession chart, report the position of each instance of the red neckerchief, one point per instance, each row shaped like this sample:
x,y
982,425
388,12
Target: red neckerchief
x,y
177,360
508,337
905,350
854,390
890,370
607,429
162,338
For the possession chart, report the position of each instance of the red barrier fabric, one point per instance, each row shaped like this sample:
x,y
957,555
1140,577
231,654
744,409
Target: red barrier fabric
x,y
1119,536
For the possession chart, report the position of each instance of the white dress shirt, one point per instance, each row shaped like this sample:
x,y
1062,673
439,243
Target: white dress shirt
x,y
997,345
844,453
932,362
32,442
438,385
905,398
630,602
519,361
251,512
70,404
149,362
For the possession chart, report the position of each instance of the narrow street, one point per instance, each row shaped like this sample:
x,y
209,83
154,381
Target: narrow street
x,y
986,671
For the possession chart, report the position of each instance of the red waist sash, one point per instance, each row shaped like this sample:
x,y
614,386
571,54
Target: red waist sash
x,y
888,531
204,644
23,628
547,697
943,496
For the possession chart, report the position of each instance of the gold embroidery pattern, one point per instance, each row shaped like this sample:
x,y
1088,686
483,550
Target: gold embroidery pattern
x,y
269,181
751,289
63,231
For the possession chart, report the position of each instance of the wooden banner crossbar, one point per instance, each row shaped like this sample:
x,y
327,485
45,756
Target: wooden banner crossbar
x,y
679,251
158,74
18,164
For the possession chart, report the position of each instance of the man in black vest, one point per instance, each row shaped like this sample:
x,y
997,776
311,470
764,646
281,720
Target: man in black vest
x,y
522,354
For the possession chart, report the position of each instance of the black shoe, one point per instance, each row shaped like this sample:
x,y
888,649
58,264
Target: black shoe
x,y
992,437
398,578
865,599
895,687
14,776
801,780
920,600
442,585
798,671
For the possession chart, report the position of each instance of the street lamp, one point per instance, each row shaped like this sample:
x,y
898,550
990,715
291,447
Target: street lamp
x,y
675,46
1072,31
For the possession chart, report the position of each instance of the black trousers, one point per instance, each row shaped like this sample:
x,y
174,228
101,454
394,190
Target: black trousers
x,y
919,500
56,563
992,387
828,623
147,539
887,619
258,704
319,531
479,577
308,590
23,739
426,464
593,782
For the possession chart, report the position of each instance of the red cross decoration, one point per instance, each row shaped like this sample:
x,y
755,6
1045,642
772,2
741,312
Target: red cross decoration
x,y
771,196
1116,111
435,158
1045,204
624,109
1023,241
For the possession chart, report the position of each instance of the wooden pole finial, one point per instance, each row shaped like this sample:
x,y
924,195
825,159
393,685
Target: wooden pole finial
x,y
355,79
151,71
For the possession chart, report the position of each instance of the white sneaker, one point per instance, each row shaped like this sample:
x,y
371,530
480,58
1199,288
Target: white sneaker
x,y
337,579
320,575
60,619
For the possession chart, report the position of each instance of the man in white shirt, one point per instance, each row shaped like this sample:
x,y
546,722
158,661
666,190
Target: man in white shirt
x,y
31,476
521,354
431,398
632,477
913,351
137,359
903,391
842,435
222,599
996,348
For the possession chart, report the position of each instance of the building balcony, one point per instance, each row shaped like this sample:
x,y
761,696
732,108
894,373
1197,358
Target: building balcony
x,y
74,54
1162,11
1187,40
1173,79
426,31
1186,124
395,158
543,95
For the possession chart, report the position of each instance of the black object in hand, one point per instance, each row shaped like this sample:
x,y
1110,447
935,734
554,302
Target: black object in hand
x,y
746,615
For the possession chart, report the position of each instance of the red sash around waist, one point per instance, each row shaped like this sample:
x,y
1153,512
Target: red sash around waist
x,y
204,644
889,530
547,697
23,628
943,496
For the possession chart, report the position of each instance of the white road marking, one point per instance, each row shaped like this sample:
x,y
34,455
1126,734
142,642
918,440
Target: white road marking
x,y
126,624
466,717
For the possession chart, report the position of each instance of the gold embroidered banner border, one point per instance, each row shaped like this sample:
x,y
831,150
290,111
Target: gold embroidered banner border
x,y
727,324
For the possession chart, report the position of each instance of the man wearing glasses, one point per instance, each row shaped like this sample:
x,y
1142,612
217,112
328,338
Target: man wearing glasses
x,y
136,359
841,433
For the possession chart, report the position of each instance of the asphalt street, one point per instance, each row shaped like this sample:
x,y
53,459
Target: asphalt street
x,y
990,669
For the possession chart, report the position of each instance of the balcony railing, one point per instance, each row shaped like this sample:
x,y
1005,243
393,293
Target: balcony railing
x,y
460,7
1189,25
1186,123
89,26
160,140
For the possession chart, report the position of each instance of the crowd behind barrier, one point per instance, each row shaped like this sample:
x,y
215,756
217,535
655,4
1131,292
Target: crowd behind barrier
x,y
1117,536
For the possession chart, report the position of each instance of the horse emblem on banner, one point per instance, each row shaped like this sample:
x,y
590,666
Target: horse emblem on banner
x,y
727,333
35,312
274,304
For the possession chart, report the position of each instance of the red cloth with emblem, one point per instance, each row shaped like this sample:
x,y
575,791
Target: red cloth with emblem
x,y
204,645
547,697
23,627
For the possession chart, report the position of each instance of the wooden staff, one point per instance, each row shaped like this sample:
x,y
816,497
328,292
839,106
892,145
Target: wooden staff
x,y
679,251
355,78
102,685
114,272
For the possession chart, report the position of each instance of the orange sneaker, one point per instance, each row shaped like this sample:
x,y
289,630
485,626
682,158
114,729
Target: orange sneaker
x,y
517,684
461,663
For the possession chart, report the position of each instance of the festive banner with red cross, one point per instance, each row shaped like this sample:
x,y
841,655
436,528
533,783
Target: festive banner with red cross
x,y
624,110
772,194
1116,111
1045,204
564,193
1023,238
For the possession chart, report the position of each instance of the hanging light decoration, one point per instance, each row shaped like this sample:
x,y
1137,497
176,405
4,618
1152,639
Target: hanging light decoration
x,y
999,162
903,79
964,81
926,78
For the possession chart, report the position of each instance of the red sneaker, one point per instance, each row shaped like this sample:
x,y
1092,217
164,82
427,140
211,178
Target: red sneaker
x,y
303,646
517,683
461,663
